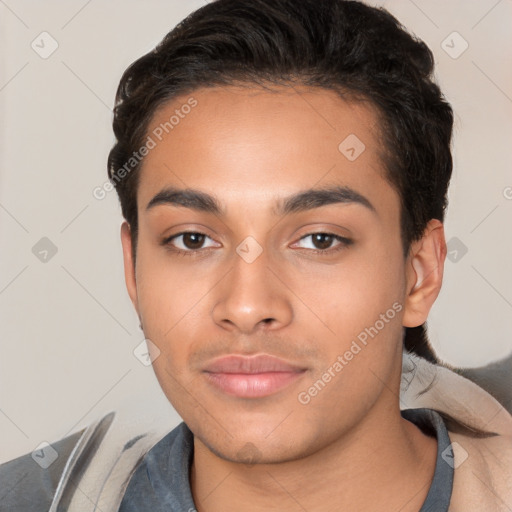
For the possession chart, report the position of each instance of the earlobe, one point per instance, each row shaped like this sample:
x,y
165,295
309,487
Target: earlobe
x,y
129,267
424,274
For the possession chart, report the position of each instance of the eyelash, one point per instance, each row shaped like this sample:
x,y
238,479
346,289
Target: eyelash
x,y
344,242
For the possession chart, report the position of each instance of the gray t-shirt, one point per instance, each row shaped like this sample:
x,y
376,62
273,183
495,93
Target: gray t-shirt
x,y
161,481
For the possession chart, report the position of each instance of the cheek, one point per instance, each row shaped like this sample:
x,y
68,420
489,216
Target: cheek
x,y
350,296
360,306
169,291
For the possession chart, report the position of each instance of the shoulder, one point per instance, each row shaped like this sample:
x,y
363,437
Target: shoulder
x,y
482,480
482,472
161,477
93,465
29,482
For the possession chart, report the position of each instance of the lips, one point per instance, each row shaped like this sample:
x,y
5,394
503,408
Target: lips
x,y
250,365
251,376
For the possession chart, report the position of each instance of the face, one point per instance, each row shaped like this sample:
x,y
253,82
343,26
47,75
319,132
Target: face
x,y
275,289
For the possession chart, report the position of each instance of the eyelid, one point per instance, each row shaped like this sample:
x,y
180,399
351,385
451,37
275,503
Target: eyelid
x,y
169,239
343,241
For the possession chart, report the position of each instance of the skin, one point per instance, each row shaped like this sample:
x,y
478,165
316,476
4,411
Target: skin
x,y
348,448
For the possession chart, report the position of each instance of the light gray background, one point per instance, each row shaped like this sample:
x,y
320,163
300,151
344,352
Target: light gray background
x,y
67,327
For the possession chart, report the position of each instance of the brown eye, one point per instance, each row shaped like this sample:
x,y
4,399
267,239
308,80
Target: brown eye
x,y
193,240
188,242
324,242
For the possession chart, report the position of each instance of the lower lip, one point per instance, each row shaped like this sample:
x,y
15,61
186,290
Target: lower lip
x,y
252,385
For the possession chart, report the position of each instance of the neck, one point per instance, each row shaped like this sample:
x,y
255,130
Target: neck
x,y
383,463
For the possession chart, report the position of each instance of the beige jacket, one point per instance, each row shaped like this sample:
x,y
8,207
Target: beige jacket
x,y
482,466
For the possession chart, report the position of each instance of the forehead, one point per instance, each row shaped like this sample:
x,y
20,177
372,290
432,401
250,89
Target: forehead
x,y
248,146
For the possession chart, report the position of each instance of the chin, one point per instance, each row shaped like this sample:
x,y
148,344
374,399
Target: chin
x,y
251,453
267,441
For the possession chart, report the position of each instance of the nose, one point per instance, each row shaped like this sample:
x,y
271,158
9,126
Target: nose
x,y
251,297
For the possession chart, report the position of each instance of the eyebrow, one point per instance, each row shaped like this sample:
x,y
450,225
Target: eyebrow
x,y
299,202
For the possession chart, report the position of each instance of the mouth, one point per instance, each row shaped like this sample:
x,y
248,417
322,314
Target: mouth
x,y
251,376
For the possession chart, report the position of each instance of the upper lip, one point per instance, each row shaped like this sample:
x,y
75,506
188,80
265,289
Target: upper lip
x,y
239,364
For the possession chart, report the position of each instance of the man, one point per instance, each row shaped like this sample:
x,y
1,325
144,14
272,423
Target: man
x,y
282,168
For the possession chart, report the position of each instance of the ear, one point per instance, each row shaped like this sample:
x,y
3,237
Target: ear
x,y
424,274
129,267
